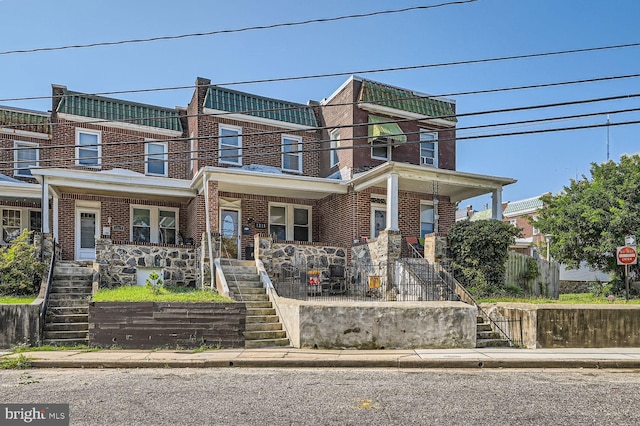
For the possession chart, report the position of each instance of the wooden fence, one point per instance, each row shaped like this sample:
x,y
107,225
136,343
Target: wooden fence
x,y
535,276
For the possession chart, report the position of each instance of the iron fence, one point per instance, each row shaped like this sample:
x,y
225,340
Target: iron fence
x,y
405,280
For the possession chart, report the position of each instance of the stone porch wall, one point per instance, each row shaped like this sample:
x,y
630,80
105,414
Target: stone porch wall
x,y
118,264
275,255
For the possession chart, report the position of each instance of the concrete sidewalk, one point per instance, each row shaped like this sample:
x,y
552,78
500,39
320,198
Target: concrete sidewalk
x,y
311,358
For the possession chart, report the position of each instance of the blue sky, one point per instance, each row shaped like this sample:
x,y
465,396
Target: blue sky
x,y
483,29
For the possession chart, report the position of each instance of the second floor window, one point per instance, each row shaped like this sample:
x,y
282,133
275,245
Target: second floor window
x,y
156,158
292,154
25,155
230,145
88,147
428,148
335,144
381,149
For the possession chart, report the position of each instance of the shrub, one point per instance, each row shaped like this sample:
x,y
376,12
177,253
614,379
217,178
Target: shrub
x,y
20,270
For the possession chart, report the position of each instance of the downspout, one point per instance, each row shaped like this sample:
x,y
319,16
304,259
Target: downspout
x,y
205,180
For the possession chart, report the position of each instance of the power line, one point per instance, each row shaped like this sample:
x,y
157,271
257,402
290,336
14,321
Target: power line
x,y
237,30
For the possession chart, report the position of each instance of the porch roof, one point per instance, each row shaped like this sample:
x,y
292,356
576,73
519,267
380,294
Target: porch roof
x,y
456,185
19,191
115,182
271,184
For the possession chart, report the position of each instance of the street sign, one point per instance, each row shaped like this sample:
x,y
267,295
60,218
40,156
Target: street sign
x,y
630,240
627,255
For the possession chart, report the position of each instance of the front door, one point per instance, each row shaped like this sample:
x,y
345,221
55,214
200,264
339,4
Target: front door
x,y
230,231
87,221
378,220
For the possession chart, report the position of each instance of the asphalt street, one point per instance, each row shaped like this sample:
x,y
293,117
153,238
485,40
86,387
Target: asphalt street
x,y
224,396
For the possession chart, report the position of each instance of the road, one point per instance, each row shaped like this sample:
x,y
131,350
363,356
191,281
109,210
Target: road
x,y
331,396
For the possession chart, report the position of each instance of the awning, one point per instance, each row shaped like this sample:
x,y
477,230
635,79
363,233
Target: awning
x,y
380,127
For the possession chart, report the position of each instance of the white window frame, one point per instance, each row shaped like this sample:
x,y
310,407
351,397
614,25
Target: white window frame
x,y
290,142
335,144
98,148
25,220
148,156
192,153
430,204
386,142
19,165
154,225
289,219
424,160
534,230
221,145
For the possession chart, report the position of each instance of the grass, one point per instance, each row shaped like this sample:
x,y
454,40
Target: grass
x,y
20,362
47,348
567,299
16,300
164,294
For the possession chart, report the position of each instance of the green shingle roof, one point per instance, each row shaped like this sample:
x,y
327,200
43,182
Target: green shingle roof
x,y
405,100
30,121
117,110
222,99
523,206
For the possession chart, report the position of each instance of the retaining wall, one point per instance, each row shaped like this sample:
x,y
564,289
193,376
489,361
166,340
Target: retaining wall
x,y
144,325
379,325
572,326
20,324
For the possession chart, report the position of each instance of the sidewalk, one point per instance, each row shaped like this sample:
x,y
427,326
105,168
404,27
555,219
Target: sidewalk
x,y
312,358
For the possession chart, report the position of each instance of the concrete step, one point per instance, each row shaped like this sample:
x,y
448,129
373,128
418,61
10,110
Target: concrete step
x,y
66,335
251,290
236,262
80,302
248,277
487,335
492,343
264,335
484,327
245,285
66,342
55,289
71,310
266,343
71,318
263,326
248,297
260,311
59,269
252,319
67,326
258,305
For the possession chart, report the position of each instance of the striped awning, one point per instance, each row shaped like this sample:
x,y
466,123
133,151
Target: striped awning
x,y
385,128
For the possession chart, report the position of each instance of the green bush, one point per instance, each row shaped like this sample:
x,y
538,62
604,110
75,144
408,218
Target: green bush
x,y
20,270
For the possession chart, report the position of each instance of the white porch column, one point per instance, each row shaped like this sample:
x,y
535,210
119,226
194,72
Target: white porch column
x,y
496,204
44,206
392,202
55,217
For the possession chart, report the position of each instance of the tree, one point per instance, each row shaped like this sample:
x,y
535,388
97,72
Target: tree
x,y
591,216
479,251
20,270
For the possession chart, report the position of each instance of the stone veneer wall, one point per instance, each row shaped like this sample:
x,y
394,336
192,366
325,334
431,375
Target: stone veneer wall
x,y
119,263
374,258
305,255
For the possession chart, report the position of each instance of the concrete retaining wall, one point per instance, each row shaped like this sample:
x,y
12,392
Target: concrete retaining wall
x,y
142,325
20,324
378,325
573,326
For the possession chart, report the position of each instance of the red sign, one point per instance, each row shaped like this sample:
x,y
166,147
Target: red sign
x,y
627,255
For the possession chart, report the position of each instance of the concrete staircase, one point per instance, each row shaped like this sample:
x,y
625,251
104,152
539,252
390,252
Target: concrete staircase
x,y
67,320
486,337
263,328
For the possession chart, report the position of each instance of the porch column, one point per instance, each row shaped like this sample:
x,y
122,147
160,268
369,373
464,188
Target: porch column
x,y
392,202
44,206
496,204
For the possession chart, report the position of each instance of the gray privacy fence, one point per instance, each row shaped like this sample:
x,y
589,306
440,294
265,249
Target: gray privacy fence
x,y
537,277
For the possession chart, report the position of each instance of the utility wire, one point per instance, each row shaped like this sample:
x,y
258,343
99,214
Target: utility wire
x,y
237,30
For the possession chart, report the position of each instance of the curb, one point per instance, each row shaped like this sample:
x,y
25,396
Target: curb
x,y
395,363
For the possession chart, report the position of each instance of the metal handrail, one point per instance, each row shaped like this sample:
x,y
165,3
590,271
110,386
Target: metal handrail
x,y
468,298
435,278
47,291
235,277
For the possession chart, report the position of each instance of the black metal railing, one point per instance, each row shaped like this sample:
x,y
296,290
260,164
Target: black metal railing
x,y
431,284
445,270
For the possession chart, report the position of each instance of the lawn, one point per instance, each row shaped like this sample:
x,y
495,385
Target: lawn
x,y
16,300
567,299
164,294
